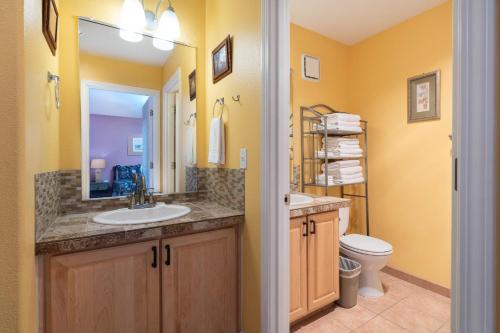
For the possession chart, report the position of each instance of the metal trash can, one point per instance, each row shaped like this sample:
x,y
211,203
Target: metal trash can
x,y
349,282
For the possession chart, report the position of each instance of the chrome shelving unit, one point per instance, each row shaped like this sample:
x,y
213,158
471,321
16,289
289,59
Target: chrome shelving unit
x,y
311,142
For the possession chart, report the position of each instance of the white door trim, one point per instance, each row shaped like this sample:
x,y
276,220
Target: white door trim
x,y
85,87
474,256
274,166
173,85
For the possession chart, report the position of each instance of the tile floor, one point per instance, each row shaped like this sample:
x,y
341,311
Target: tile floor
x,y
404,308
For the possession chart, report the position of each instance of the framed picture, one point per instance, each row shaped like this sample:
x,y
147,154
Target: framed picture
x,y
135,145
192,85
50,23
222,60
424,100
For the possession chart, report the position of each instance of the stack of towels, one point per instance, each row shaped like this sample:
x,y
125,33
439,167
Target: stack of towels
x,y
335,147
342,173
340,123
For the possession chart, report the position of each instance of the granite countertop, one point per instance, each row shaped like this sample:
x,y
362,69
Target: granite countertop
x,y
320,204
77,232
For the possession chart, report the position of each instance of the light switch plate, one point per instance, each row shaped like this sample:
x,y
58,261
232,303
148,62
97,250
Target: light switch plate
x,y
243,158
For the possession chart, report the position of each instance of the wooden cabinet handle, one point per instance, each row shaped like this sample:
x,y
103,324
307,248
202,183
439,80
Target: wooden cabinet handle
x,y
304,229
313,227
155,257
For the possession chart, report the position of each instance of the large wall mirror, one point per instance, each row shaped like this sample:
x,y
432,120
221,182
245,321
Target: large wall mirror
x,y
138,112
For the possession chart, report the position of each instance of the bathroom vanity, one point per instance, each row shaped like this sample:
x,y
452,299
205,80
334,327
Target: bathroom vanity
x,y
314,255
180,274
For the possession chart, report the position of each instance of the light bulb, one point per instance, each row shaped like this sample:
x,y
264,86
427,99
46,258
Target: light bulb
x,y
132,21
168,26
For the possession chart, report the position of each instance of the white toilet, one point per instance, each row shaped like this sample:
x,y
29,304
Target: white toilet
x,y
372,253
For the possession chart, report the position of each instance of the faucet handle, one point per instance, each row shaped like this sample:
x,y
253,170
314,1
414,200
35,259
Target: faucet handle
x,y
151,198
131,197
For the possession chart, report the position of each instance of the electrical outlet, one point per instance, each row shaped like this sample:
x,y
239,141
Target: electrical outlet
x,y
243,158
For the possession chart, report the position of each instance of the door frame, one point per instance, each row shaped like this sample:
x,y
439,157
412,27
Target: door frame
x,y
171,90
85,86
474,201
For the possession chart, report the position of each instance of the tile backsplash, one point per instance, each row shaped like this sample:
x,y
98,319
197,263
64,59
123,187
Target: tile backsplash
x,y
47,194
60,193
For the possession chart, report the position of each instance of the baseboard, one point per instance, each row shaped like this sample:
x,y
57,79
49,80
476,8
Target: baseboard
x,y
417,281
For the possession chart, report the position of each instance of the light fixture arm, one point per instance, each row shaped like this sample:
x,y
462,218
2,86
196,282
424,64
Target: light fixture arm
x,y
158,7
159,4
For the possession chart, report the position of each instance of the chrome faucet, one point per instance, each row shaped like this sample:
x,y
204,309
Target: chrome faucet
x,y
140,198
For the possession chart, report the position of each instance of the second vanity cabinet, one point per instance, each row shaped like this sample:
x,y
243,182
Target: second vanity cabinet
x,y
314,263
181,284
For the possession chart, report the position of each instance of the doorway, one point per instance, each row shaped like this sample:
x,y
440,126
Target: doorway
x,y
478,21
120,136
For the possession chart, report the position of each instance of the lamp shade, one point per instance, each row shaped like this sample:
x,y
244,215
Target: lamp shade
x,y
98,163
132,21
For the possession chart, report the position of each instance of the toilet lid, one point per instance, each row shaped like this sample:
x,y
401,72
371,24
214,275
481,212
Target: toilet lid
x,y
365,244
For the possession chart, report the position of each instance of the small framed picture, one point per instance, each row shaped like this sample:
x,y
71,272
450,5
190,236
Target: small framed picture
x,y
222,60
424,100
135,145
50,23
192,85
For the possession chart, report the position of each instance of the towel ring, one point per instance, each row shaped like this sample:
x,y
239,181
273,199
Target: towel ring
x,y
219,101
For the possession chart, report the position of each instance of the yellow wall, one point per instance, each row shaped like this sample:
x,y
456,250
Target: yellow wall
x,y
241,19
191,14
29,125
410,164
103,69
11,122
407,161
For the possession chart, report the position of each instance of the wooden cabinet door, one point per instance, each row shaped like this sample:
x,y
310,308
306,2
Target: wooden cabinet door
x,y
298,268
113,290
200,281
323,259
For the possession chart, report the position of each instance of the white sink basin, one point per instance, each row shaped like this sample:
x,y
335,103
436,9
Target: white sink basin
x,y
160,212
300,199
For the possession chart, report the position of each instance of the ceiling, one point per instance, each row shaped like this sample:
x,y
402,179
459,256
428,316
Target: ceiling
x,y
105,41
118,104
351,21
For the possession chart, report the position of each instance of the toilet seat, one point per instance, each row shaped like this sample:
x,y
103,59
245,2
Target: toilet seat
x,y
365,245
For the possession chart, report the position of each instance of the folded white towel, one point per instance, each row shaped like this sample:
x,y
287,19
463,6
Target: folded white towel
x,y
344,116
334,122
340,141
347,177
342,164
347,150
336,154
343,171
336,129
217,146
340,146
321,179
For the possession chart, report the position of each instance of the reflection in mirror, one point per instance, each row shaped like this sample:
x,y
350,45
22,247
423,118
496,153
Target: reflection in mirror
x,y
138,114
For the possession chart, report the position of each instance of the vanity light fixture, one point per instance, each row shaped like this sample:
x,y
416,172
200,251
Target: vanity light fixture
x,y
134,18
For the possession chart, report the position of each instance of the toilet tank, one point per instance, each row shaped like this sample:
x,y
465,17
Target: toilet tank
x,y
343,220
